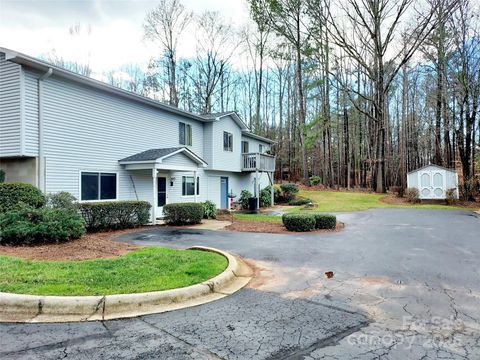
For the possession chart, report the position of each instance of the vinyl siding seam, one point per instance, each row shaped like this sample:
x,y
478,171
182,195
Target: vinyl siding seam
x,y
22,112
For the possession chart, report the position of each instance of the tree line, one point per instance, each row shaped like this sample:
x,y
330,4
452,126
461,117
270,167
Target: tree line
x,y
358,92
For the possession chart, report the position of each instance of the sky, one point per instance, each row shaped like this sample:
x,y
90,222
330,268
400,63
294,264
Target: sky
x,y
111,30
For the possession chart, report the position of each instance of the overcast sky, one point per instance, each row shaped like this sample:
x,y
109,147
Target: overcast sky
x,y
35,27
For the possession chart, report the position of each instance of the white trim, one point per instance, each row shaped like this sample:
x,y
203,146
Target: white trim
x,y
117,180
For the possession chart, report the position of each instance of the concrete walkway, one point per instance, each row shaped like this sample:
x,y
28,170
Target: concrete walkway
x,y
405,286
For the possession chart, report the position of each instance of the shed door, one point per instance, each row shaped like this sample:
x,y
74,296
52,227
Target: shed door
x,y
432,184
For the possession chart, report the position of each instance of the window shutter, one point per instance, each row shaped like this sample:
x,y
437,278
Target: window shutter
x,y
181,133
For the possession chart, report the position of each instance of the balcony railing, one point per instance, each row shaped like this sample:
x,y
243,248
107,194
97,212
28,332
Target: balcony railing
x,y
257,161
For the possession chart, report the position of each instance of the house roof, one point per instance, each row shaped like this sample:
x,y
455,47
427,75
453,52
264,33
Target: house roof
x,y
258,137
437,166
37,64
158,155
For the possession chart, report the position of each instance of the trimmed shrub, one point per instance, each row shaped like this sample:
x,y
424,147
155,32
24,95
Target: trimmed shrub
x,y
18,195
62,200
297,202
35,226
289,191
412,195
209,210
325,221
266,196
183,213
115,214
315,180
299,222
244,196
451,197
2,176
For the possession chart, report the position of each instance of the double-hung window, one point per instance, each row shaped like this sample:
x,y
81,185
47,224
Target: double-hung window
x,y
98,186
188,185
244,147
261,148
227,141
185,134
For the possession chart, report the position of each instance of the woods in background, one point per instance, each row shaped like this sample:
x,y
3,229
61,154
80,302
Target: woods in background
x,y
356,92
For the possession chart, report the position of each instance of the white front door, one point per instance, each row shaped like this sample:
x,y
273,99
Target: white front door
x,y
161,193
432,184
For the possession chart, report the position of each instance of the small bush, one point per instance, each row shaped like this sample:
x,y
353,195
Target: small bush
x,y
115,214
266,196
451,196
244,196
299,222
183,213
289,191
325,221
2,176
62,200
412,195
35,226
15,195
315,180
469,190
209,210
298,202
399,191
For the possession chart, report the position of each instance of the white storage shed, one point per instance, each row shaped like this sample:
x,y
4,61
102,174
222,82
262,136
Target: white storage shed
x,y
433,181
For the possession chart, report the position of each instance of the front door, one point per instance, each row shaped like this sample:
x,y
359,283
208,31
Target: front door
x,y
224,192
161,194
432,184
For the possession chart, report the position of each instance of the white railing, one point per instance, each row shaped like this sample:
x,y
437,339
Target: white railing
x,y
257,161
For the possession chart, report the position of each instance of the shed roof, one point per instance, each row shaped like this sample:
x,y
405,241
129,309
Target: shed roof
x,y
437,166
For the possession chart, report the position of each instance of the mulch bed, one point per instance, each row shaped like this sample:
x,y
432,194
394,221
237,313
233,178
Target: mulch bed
x,y
269,227
91,246
394,200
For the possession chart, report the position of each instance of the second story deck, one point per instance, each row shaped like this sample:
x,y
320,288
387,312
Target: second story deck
x,y
258,162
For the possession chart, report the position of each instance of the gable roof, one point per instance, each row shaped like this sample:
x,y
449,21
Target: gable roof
x,y
233,114
437,166
158,155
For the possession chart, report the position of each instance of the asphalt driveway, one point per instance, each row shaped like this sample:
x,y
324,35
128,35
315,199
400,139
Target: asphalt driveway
x,y
406,286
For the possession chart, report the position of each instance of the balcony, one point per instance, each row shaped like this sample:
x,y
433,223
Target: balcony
x,y
257,161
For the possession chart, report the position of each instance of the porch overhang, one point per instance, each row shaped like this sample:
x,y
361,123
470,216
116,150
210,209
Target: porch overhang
x,y
156,159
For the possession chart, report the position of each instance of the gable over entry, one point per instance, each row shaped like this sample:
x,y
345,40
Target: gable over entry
x,y
164,160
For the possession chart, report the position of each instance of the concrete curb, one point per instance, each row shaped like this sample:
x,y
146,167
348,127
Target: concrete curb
x,y
37,308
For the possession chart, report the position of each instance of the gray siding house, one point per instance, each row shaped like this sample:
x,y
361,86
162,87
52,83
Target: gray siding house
x,y
65,132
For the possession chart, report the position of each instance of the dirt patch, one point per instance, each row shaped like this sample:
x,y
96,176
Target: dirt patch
x,y
91,246
270,227
394,200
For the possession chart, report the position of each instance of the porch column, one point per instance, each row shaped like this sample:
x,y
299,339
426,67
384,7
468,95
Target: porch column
x,y
194,186
272,191
257,186
154,202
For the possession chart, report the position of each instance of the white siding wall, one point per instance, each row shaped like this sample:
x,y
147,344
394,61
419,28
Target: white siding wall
x,y
208,145
253,144
87,129
10,109
226,160
31,113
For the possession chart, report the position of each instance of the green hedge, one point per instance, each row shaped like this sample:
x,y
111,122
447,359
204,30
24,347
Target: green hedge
x,y
297,202
289,191
325,221
15,195
209,210
244,196
183,213
299,222
115,214
35,226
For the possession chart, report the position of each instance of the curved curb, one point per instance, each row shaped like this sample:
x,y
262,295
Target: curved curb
x,y
38,308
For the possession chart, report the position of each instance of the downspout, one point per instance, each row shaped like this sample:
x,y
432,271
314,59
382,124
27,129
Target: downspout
x,y
41,150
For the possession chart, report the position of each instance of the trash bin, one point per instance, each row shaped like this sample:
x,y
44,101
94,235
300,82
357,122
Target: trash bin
x,y
252,205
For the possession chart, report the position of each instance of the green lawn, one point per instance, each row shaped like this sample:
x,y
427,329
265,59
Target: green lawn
x,y
259,217
334,201
147,269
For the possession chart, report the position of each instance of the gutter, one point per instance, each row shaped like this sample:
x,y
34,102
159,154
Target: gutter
x,y
41,151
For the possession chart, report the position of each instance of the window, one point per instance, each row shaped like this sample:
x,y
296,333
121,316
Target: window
x,y
98,186
185,134
227,141
244,147
261,148
188,184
